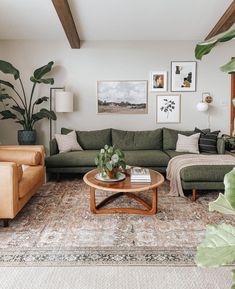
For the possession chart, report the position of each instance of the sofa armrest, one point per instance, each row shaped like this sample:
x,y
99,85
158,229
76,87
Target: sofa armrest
x,y
35,148
9,190
53,147
220,146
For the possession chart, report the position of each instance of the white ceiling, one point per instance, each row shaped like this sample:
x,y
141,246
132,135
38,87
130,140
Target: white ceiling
x,y
113,19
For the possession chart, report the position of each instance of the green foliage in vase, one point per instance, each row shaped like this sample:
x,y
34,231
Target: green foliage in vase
x,y
218,247
16,104
110,158
205,47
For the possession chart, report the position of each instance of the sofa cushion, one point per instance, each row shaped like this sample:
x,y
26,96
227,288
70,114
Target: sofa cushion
x,y
172,153
92,140
170,137
147,158
137,140
72,159
67,142
208,141
188,144
207,173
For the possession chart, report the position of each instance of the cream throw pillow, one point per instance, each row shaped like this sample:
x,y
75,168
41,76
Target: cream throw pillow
x,y
188,144
67,142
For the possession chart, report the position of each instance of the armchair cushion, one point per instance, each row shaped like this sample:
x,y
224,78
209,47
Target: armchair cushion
x,y
32,158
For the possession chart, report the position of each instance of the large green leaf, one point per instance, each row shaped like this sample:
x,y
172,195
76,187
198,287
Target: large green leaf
x,y
42,80
44,113
40,72
222,205
8,68
233,273
229,67
41,99
18,109
218,247
6,114
6,83
205,47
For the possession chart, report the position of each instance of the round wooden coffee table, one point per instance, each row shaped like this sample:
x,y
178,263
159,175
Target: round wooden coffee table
x,y
126,188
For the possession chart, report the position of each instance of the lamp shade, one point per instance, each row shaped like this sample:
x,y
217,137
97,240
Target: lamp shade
x,y
202,106
63,101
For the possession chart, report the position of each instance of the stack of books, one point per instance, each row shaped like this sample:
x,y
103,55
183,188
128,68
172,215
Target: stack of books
x,y
140,175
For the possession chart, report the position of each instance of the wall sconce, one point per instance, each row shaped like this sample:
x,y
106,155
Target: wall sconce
x,y
203,105
63,102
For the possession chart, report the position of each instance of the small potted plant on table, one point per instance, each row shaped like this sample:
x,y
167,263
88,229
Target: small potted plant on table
x,y
111,160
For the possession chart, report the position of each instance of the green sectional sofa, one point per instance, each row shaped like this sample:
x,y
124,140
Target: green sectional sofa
x,y
152,149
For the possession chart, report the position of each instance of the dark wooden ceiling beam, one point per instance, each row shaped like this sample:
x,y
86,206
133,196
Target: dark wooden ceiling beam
x,y
225,22
64,13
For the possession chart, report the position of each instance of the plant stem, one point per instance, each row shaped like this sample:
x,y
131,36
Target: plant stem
x,y
30,102
23,91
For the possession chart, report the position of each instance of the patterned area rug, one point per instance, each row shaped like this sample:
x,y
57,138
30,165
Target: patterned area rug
x,y
57,228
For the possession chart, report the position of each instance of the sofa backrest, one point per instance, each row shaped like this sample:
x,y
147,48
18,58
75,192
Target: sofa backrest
x,y
137,140
170,137
92,140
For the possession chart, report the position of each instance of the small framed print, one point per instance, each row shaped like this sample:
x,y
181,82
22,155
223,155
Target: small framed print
x,y
183,75
168,108
158,81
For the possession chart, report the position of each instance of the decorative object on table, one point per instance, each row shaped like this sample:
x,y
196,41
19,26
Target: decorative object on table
x,y
158,81
203,105
111,160
127,97
20,108
105,178
140,175
183,75
168,108
62,102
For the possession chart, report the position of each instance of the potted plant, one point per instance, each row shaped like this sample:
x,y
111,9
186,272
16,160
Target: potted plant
x,y
110,160
21,108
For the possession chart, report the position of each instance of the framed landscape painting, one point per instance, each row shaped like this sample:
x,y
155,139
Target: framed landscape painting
x,y
183,75
168,108
126,97
158,81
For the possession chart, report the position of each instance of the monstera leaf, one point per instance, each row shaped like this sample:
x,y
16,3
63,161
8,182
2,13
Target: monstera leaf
x,y
205,47
222,205
218,248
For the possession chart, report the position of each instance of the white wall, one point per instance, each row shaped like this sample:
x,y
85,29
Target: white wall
x,y
79,70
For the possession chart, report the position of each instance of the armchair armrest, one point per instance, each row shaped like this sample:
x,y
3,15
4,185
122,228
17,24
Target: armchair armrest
x,y
34,148
9,190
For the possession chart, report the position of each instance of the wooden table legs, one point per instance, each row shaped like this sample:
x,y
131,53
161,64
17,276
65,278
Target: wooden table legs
x,y
150,209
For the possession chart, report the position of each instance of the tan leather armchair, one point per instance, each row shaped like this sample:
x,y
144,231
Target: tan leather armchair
x,y
22,173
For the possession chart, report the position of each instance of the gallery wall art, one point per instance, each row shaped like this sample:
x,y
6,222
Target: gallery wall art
x,y
158,81
183,75
126,97
168,108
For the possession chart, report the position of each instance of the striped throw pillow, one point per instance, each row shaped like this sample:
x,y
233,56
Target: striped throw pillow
x,y
188,144
208,141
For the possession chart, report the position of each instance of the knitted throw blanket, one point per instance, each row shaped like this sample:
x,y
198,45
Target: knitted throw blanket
x,y
179,162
